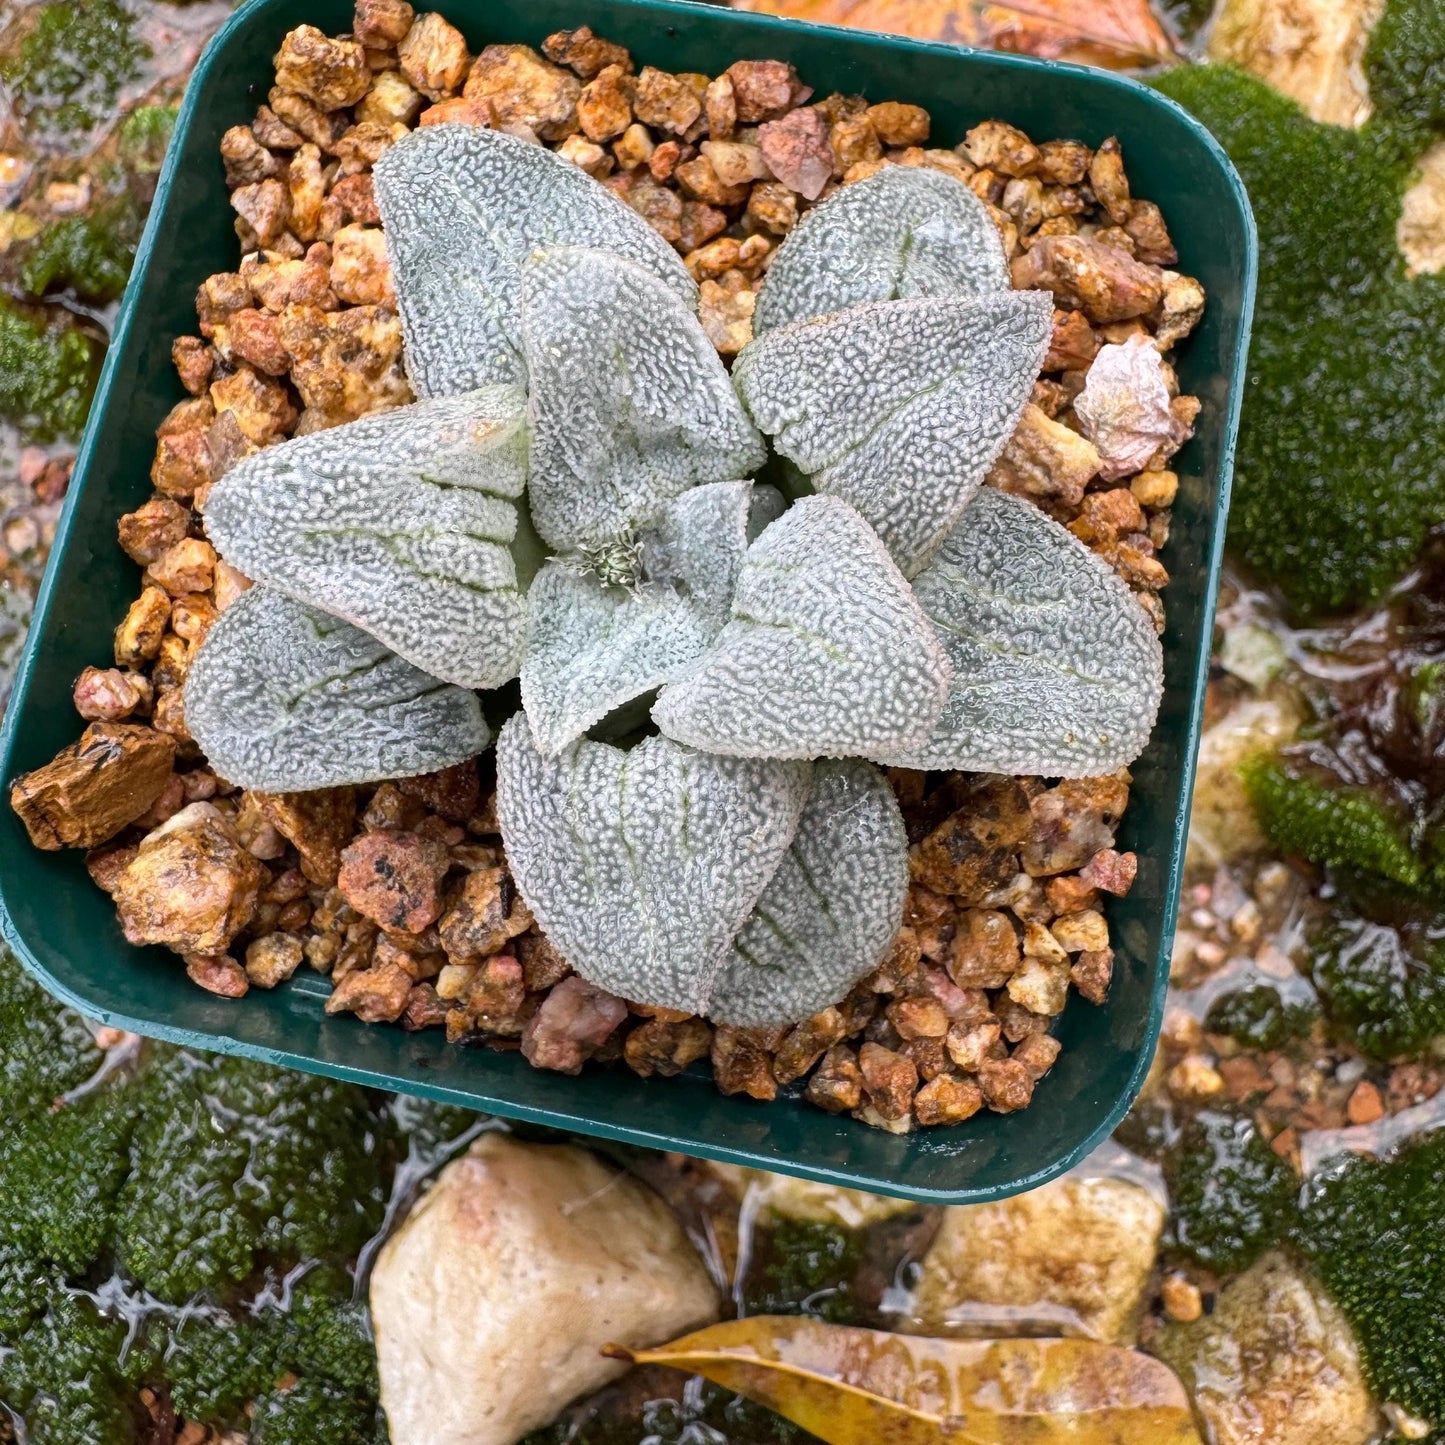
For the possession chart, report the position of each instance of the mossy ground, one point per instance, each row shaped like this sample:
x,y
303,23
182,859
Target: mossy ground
x,y
1337,478
1375,1230
185,1180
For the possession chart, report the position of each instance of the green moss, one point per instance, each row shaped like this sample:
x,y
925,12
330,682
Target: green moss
x,y
71,65
47,1048
220,1366
71,1378
1231,1194
1336,478
24,1288
237,1166
143,137
1331,825
90,255
1380,990
328,1335
217,1368
1257,1017
1376,1232
60,1174
1405,65
47,375
804,1268
316,1410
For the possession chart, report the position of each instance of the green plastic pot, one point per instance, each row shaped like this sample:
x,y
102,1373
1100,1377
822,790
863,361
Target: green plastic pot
x,y
65,928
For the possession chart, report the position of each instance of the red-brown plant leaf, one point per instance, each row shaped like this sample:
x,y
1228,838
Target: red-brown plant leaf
x,y
1114,33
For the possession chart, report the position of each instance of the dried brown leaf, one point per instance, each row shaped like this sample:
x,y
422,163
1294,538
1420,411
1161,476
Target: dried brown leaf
x,y
1114,33
865,1387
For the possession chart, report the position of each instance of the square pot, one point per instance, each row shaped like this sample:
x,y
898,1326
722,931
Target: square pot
x,y
65,928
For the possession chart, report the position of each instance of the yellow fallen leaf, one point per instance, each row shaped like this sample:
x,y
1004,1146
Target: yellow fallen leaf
x,y
1112,33
865,1387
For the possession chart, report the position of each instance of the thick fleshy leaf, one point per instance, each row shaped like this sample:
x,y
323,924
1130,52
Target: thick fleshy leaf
x,y
900,407
1056,667
630,403
702,538
906,231
863,1387
827,654
593,647
284,698
462,207
400,523
833,908
641,866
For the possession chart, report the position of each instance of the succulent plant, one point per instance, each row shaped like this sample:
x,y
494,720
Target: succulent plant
x,y
689,798
400,523
645,863
899,407
826,654
1056,669
464,207
831,910
596,643
604,338
905,231
290,698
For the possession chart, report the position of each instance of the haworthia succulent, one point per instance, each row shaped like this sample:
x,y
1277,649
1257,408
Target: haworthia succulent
x,y
400,523
630,404
1056,667
900,407
462,207
833,908
702,537
826,653
642,866
593,647
906,231
282,697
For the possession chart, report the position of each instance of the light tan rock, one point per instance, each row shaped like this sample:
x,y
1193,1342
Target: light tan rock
x,y
492,1301
1045,460
1222,826
1073,1256
1312,50
1421,231
809,1202
1274,1364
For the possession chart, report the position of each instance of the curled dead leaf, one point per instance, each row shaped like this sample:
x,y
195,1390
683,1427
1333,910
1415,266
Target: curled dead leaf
x,y
865,1387
1117,34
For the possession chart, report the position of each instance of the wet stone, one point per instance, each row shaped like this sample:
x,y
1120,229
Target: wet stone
x,y
395,879
95,787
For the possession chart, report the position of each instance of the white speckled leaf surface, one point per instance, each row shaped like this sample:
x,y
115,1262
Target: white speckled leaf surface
x,y
462,207
400,523
833,908
827,654
641,866
630,404
702,537
1056,667
282,698
591,648
906,231
900,407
